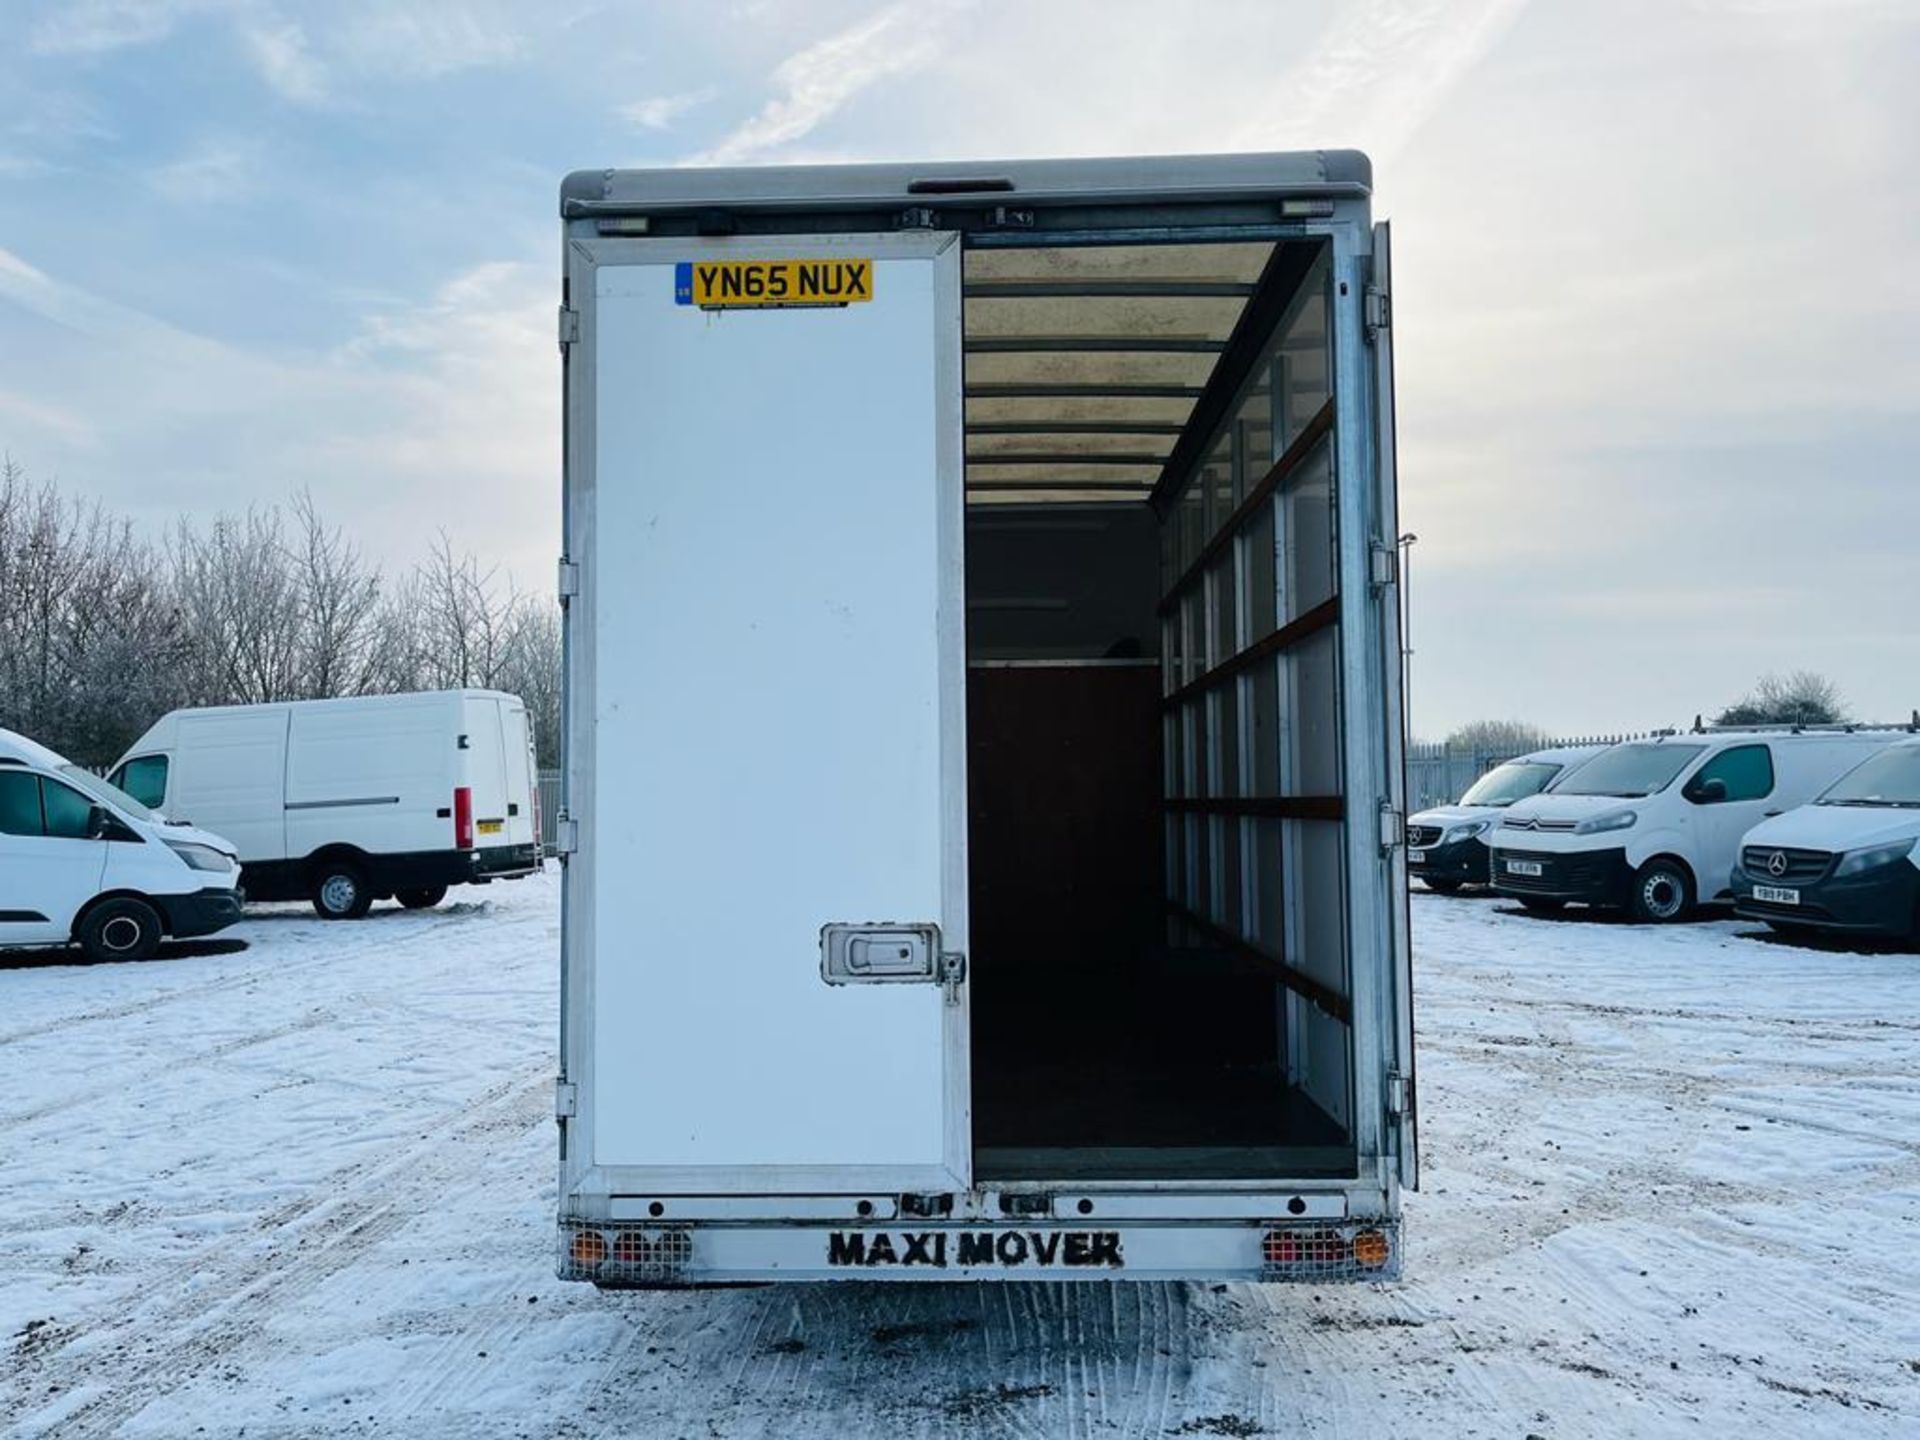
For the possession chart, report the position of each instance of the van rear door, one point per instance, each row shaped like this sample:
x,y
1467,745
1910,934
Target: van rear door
x,y
516,768
766,759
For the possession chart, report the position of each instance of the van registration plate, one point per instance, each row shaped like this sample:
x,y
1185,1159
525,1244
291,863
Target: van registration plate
x,y
1416,857
1525,867
771,284
1774,895
492,827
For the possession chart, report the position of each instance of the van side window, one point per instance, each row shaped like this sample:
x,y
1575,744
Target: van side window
x,y
67,810
145,779
20,803
1746,771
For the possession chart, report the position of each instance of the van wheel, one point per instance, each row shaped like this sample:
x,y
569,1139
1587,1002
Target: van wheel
x,y
120,930
1542,904
1662,893
425,899
340,891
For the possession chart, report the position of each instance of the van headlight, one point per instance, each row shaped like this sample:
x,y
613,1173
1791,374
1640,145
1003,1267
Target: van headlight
x,y
1601,824
1855,861
201,857
1464,832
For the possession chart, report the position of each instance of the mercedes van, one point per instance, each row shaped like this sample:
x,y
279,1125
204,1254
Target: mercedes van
x,y
1849,861
347,801
1447,847
1654,826
84,863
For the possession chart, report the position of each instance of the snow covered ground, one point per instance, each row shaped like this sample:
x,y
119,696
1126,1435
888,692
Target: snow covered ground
x,y
306,1188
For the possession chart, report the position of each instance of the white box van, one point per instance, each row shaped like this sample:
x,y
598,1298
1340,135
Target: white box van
x,y
1655,825
1447,845
344,802
1850,861
80,861
983,769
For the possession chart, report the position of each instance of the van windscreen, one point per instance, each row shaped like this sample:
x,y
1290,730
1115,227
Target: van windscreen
x,y
1515,780
1891,778
1630,771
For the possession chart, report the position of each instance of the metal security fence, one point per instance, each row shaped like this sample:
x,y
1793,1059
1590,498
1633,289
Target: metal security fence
x,y
1438,774
549,781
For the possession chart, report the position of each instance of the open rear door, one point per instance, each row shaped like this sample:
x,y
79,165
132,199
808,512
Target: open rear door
x,y
1402,1091
769,893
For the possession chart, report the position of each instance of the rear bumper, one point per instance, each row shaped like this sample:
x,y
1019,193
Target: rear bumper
x,y
1592,877
505,862
201,913
655,1255
1882,901
1465,861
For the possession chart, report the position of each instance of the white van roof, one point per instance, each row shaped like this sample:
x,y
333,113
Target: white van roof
x,y
1558,755
339,701
19,749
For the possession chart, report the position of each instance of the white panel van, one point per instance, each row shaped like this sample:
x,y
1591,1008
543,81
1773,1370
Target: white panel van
x,y
349,801
1447,845
1850,861
1655,825
82,862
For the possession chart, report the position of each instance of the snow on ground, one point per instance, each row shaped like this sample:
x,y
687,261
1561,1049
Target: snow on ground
x,y
306,1188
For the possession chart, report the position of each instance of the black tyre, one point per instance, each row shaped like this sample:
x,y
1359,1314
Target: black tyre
x,y
423,899
1441,885
124,929
1543,904
339,891
1662,893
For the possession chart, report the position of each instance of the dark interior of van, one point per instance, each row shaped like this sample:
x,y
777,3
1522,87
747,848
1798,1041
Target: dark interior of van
x,y
1159,971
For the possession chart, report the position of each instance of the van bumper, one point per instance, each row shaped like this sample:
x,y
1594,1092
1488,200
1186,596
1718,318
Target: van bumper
x,y
1881,901
1464,861
1592,877
505,862
201,913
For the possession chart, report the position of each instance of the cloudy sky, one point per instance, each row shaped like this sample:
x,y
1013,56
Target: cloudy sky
x,y
1658,306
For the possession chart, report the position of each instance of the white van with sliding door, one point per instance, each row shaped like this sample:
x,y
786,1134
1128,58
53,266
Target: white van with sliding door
x,y
82,863
1655,826
344,802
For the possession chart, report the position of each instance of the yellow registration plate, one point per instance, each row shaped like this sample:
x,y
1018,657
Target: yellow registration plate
x,y
492,827
764,284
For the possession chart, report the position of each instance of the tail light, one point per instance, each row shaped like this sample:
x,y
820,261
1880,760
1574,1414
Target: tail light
x,y
463,818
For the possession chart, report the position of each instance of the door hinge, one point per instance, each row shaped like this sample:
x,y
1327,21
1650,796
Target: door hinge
x,y
1386,564
566,1100
569,326
1377,309
569,581
953,974
1393,828
917,217
1399,1096
566,836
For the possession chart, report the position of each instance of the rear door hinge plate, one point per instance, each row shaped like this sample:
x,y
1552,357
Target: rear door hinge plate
x,y
1399,1096
1378,311
566,836
1386,564
569,581
569,326
1393,828
566,1100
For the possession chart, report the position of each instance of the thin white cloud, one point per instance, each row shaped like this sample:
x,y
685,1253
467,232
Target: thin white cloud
x,y
1379,70
430,38
815,83
216,172
284,59
659,112
92,27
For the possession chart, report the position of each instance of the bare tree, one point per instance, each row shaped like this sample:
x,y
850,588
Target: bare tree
x,y
240,599
1500,738
1801,698
338,606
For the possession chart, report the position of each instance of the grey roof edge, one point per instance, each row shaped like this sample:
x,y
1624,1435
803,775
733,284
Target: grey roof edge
x,y
1113,180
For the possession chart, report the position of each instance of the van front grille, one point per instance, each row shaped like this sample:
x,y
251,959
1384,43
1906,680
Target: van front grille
x,y
1778,865
1421,836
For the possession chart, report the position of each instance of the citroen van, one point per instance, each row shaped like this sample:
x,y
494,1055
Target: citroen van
x,y
1654,826
1447,846
1850,861
84,863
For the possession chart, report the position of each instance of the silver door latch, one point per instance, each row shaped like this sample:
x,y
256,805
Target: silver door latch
x,y
883,953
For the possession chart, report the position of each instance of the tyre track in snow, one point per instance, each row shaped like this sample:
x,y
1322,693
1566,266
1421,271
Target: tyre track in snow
x,y
216,1305
327,956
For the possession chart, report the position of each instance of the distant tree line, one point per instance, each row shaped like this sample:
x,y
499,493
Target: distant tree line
x,y
103,630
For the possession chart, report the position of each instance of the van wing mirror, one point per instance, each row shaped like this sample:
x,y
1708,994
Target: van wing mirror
x,y
99,823
1708,792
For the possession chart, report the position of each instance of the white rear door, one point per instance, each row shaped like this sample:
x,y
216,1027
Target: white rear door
x,y
516,763
767,739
